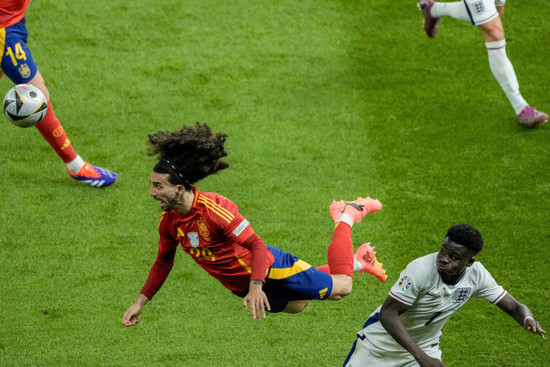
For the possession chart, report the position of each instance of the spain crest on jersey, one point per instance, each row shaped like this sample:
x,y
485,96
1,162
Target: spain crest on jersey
x,y
462,294
203,229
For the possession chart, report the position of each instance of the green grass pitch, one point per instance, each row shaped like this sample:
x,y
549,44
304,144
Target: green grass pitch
x,y
321,100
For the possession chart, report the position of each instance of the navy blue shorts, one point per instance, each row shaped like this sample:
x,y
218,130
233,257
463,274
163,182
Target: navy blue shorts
x,y
292,279
17,62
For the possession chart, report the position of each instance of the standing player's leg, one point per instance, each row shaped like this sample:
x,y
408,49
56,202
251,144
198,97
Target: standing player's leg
x,y
503,71
18,64
486,15
55,135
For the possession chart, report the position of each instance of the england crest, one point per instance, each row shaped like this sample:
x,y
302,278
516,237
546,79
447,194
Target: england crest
x,y
479,7
462,294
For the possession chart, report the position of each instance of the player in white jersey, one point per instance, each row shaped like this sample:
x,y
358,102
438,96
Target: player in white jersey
x,y
486,14
405,331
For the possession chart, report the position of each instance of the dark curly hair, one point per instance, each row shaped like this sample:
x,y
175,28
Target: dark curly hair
x,y
467,236
189,154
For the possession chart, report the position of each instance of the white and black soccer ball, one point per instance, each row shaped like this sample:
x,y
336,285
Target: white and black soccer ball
x,y
25,105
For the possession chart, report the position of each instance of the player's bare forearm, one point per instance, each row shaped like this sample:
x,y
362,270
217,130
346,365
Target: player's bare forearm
x,y
389,318
394,327
521,314
141,300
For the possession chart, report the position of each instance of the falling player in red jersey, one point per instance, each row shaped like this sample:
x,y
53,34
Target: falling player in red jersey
x,y
18,64
211,230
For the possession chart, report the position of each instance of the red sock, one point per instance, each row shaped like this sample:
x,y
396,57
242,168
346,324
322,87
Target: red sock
x,y
340,251
324,268
53,132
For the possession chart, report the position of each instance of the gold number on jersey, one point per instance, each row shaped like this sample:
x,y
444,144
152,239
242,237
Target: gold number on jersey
x,y
18,55
203,253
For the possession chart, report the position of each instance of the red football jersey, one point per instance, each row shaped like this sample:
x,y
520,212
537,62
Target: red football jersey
x,y
12,11
215,234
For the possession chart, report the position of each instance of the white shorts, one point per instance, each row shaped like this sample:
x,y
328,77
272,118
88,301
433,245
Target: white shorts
x,y
361,356
481,11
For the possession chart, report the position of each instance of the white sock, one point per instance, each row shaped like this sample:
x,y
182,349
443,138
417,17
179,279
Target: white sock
x,y
75,165
504,73
455,10
346,219
357,265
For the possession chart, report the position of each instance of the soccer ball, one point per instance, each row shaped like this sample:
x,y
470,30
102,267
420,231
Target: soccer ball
x,y
25,105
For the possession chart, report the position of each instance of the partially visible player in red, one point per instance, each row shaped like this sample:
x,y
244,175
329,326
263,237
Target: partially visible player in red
x,y
210,228
18,64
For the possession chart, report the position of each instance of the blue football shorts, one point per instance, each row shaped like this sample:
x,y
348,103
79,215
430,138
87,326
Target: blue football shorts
x,y
292,279
17,62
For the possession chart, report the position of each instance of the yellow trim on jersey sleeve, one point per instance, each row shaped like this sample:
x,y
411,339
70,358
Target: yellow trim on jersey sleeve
x,y
196,196
248,269
2,38
161,218
216,208
283,273
180,232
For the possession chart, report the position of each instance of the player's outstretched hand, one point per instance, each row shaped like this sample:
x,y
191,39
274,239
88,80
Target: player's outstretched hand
x,y
534,327
131,316
257,299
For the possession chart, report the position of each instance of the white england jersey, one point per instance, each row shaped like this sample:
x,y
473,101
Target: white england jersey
x,y
431,302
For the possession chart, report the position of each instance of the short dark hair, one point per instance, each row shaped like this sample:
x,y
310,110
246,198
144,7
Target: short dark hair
x,y
467,236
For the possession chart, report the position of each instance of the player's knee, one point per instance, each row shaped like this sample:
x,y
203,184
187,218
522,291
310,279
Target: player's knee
x,y
341,287
296,306
346,290
497,35
38,81
493,31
